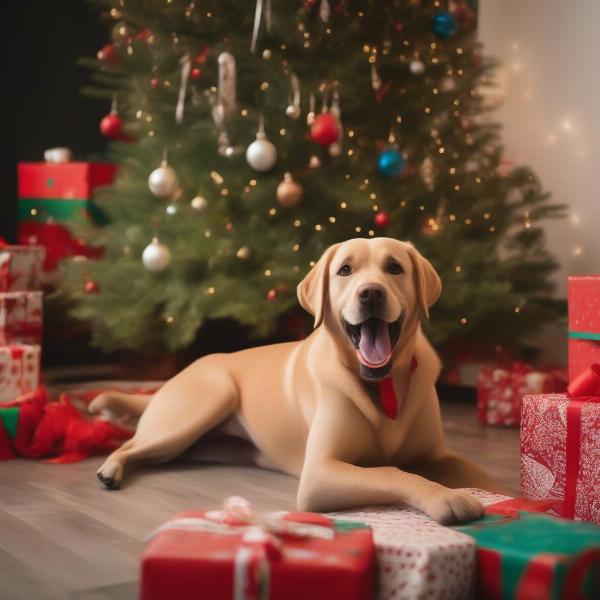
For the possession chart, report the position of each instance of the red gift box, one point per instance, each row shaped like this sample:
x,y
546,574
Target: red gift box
x,y
54,195
20,267
560,448
20,318
218,555
19,370
500,390
584,323
76,180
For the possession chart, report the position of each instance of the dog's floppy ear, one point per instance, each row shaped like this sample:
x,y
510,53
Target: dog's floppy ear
x,y
313,289
427,282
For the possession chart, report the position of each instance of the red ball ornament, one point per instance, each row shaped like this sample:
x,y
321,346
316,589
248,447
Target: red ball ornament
x,y
195,73
91,287
108,54
325,129
144,35
111,126
382,219
154,83
271,295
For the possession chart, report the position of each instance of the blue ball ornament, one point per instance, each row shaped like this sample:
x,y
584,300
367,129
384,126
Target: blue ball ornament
x,y
444,25
390,163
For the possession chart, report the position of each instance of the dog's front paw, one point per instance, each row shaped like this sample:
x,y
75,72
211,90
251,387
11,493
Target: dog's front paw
x,y
448,506
110,474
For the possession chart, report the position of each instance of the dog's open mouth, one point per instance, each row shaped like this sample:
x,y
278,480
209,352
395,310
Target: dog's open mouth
x,y
374,340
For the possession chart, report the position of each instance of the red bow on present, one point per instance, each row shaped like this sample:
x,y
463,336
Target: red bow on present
x,y
585,388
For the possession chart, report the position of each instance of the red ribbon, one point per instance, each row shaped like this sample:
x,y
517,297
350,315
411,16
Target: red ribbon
x,y
583,389
387,395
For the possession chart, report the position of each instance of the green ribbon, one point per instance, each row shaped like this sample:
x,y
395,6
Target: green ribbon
x,y
584,335
10,419
519,541
342,526
69,210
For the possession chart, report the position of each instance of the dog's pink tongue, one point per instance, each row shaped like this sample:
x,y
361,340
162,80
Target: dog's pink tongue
x,y
375,345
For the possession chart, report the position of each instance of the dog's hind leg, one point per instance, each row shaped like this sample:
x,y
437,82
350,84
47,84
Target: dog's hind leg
x,y
120,403
185,408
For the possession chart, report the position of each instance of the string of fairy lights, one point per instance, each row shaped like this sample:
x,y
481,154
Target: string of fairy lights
x,y
326,130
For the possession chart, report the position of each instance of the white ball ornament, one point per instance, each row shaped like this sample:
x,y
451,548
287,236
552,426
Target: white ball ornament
x,y
261,154
417,67
163,181
156,256
199,203
293,111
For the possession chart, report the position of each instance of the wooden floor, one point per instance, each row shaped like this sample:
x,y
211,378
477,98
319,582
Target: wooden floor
x,y
63,537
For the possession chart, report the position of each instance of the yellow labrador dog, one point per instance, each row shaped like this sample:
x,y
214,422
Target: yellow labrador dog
x,y
314,408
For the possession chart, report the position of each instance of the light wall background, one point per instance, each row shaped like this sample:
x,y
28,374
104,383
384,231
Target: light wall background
x,y
550,83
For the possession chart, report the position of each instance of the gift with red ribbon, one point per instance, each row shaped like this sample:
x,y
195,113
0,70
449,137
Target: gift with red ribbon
x,y
20,318
524,554
500,390
560,447
54,196
20,267
235,554
584,323
19,370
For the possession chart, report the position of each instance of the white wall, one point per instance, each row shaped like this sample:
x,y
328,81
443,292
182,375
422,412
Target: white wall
x,y
551,113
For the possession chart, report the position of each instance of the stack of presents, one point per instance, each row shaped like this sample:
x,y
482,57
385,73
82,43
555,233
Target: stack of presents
x,y
54,197
543,546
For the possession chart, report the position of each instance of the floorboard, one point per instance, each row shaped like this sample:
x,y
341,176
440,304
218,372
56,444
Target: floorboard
x,y
62,536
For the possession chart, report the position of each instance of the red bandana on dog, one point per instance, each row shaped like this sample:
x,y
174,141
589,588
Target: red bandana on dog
x,y
387,395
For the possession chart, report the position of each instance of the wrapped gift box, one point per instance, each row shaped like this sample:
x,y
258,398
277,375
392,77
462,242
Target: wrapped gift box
x,y
20,267
560,453
53,196
19,370
501,389
294,556
528,555
584,323
20,318
417,557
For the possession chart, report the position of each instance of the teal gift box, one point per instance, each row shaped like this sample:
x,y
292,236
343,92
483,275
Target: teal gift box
x,y
524,555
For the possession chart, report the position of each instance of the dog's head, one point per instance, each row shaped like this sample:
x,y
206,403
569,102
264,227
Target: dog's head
x,y
370,292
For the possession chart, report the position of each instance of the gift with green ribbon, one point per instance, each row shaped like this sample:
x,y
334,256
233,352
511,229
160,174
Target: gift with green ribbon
x,y
584,323
525,554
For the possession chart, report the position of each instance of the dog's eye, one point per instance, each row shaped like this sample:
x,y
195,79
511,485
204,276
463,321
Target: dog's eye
x,y
395,269
345,270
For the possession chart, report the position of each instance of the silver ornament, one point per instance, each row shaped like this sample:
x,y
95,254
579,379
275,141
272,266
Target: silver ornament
x,y
266,54
244,253
199,203
261,154
163,181
227,85
417,67
156,256
293,111
171,209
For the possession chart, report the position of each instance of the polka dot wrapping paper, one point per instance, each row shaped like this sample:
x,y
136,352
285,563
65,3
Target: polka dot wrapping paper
x,y
417,557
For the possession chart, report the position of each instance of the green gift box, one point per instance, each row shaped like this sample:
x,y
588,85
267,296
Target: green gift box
x,y
533,556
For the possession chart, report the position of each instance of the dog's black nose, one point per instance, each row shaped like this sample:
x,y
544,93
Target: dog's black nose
x,y
371,294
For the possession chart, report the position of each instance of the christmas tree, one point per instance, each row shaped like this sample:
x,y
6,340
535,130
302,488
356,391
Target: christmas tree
x,y
252,135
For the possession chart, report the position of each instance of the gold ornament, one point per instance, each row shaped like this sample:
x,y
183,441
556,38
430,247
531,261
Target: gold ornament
x,y
244,253
314,162
289,192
